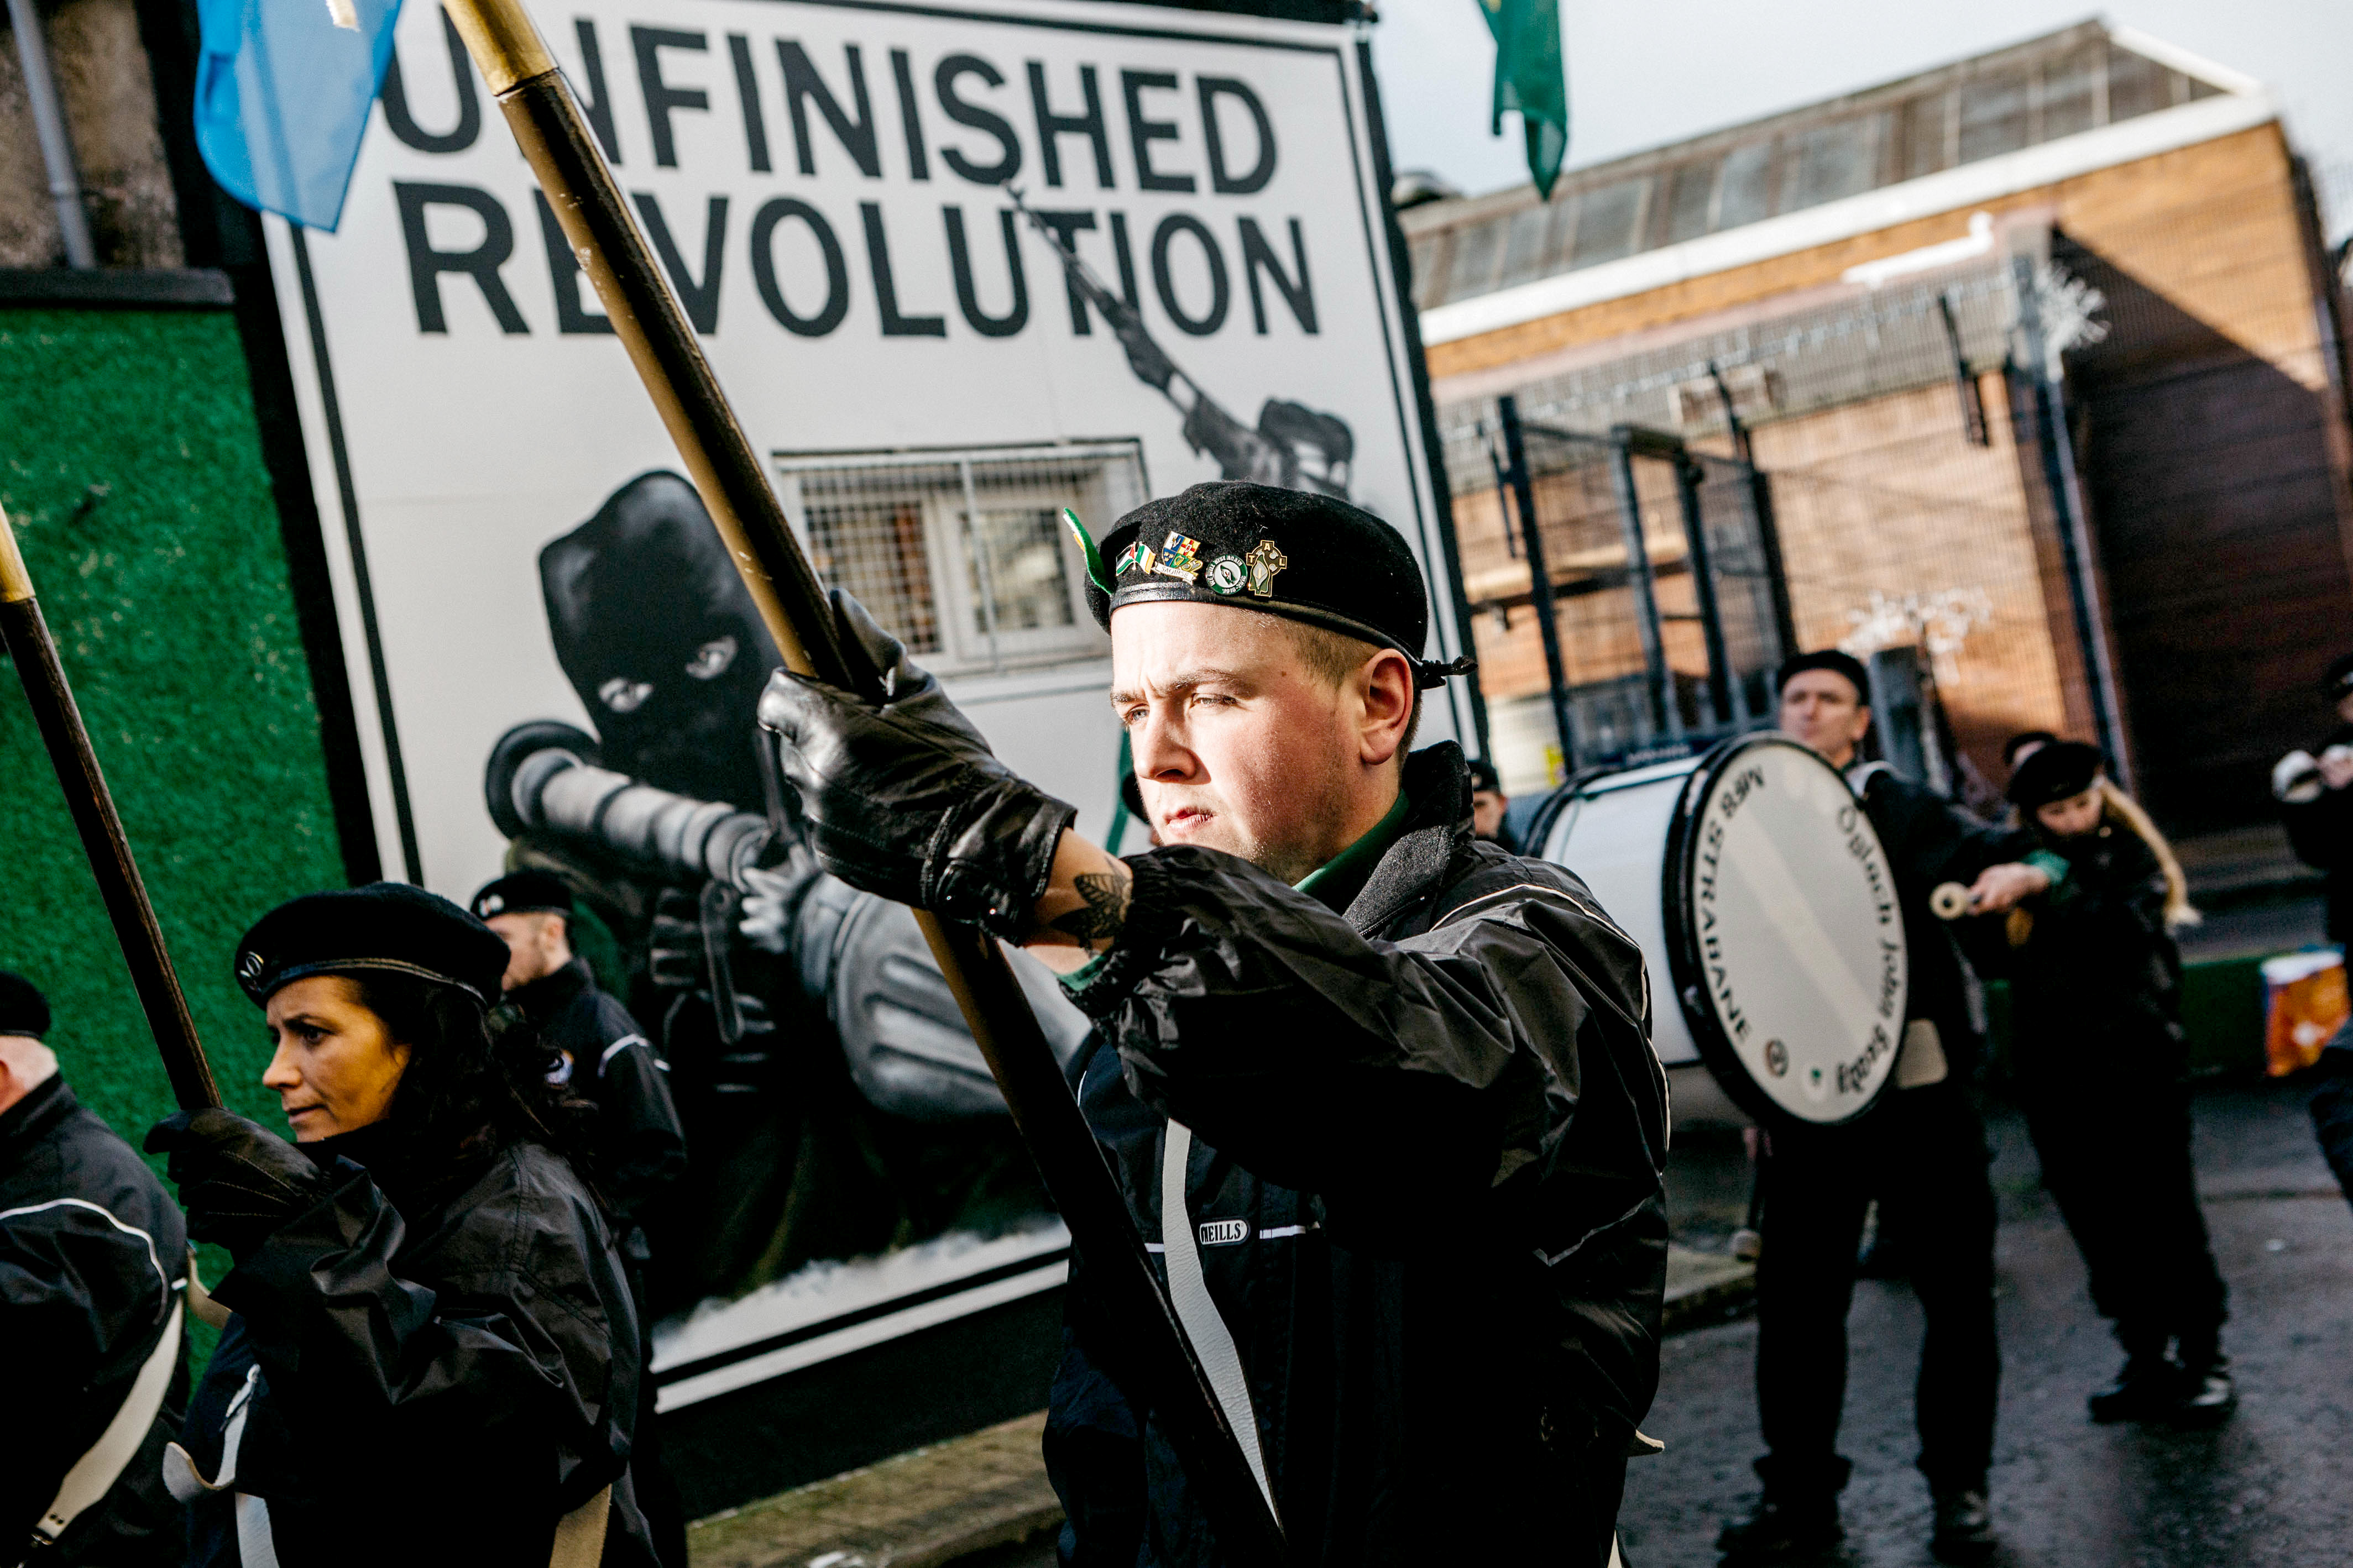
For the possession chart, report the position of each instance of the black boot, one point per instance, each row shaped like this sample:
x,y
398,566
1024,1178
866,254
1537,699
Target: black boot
x,y
1964,1531
1783,1530
2149,1388
2208,1395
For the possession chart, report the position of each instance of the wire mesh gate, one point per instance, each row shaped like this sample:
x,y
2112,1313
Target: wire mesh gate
x,y
1647,577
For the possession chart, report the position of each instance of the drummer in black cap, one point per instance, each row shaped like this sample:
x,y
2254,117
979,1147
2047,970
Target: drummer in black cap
x,y
432,1356
93,1263
2102,1071
1921,1153
1383,1094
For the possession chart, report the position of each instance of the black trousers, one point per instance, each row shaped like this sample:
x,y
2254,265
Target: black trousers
x,y
1921,1153
657,1489
2116,1160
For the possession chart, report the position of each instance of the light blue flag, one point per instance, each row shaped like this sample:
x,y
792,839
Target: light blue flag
x,y
283,99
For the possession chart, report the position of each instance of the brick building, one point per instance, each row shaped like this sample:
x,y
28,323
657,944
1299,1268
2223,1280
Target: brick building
x,y
2038,352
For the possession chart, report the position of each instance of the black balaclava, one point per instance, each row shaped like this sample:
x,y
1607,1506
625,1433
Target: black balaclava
x,y
660,638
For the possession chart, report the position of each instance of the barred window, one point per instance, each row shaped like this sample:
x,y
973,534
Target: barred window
x,y
962,554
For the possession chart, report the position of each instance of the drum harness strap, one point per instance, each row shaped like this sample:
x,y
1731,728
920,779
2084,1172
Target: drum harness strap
x,y
95,1473
579,1535
1204,1325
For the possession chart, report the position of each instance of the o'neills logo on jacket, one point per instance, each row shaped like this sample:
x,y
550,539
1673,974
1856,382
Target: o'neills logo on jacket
x,y
1224,1232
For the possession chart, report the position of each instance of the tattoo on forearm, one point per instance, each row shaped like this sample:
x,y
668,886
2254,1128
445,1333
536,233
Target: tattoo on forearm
x,y
1105,910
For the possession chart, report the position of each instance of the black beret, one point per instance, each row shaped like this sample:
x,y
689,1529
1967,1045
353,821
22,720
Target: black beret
x,y
523,893
2338,684
23,1009
1295,554
2062,769
1484,777
386,926
1837,663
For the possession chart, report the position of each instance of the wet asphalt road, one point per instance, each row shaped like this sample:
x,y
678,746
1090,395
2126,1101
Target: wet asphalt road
x,y
2275,1487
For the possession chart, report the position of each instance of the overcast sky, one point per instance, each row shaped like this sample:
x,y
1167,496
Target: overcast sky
x,y
1660,71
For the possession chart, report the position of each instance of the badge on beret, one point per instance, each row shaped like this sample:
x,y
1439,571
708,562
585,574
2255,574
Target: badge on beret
x,y
1264,563
248,966
1227,574
1137,557
1180,556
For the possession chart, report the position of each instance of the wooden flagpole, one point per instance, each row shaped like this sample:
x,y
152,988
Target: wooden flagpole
x,y
548,124
34,651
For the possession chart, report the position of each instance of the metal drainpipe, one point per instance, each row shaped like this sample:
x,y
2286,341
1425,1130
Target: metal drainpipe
x,y
1523,498
2049,409
50,124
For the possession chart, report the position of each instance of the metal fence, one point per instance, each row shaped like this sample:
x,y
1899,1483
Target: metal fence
x,y
1902,493
1642,575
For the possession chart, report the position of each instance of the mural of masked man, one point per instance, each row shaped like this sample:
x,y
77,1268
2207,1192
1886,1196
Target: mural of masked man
x,y
656,634
822,1126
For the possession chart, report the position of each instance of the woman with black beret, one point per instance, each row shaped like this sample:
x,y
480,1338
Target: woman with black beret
x,y
432,1356
2102,1066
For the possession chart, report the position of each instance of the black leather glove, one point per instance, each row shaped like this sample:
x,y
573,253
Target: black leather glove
x,y
901,796
237,1180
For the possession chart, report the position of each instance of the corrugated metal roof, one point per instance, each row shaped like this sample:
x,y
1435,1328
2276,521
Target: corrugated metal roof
x,y
2062,85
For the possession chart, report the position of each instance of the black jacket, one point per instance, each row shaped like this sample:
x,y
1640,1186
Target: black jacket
x,y
1440,1119
443,1370
2096,992
2320,831
641,1146
93,1256
1929,840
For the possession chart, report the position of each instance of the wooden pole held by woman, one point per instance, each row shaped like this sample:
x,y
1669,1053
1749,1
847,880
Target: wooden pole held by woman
x,y
548,124
34,652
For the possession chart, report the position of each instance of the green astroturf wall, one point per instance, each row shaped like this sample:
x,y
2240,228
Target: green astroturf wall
x,y
166,588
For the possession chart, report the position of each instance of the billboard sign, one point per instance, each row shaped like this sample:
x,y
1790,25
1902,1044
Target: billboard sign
x,y
957,266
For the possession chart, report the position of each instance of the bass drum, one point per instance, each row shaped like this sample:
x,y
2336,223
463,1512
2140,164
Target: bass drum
x,y
1753,879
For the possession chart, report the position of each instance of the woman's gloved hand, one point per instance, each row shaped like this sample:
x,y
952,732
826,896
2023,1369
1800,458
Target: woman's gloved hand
x,y
239,1181
902,796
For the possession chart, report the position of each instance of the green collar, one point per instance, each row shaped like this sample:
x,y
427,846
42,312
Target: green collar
x,y
1342,877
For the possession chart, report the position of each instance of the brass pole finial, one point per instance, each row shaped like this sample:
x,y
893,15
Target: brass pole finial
x,y
15,581
503,41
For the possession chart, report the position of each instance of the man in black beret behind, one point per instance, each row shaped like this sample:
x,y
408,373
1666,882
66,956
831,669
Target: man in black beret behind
x,y
93,1263
605,1055
641,1150
1920,1151
1383,1094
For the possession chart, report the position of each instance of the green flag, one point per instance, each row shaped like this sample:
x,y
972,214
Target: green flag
x,y
1528,78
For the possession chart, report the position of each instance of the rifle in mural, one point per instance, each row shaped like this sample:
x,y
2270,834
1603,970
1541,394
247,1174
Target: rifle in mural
x,y
67,738
549,125
1292,446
